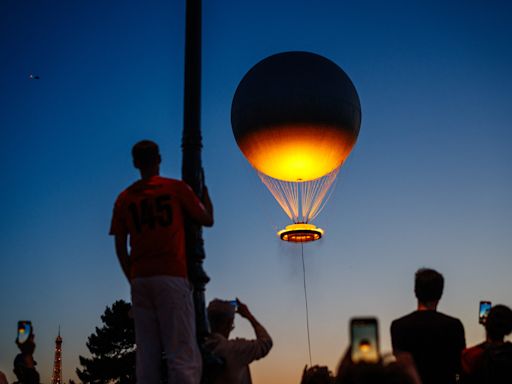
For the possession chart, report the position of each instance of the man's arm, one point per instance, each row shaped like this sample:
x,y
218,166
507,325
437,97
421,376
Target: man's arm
x,y
119,230
462,336
460,345
121,241
200,212
249,351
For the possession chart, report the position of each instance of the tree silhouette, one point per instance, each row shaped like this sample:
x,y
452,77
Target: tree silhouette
x,y
112,348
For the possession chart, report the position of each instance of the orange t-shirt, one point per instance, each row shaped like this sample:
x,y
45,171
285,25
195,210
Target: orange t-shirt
x,y
151,212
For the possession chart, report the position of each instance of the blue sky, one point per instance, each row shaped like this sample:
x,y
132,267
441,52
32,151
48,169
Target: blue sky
x,y
428,183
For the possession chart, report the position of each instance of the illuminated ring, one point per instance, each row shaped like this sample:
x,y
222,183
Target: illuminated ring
x,y
300,233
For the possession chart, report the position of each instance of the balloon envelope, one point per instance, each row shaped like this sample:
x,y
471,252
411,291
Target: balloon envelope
x,y
296,116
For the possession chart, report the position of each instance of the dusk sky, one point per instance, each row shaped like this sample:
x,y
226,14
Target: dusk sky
x,y
429,182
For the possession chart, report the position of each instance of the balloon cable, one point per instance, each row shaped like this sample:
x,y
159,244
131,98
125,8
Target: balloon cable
x,y
306,301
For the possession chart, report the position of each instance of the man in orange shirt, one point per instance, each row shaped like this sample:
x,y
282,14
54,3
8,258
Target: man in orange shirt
x,y
150,214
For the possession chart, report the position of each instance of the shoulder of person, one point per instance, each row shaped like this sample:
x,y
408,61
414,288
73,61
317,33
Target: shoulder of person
x,y
404,319
499,348
220,345
124,192
498,359
178,184
183,188
472,352
132,188
241,343
240,340
447,318
183,184
174,185
168,180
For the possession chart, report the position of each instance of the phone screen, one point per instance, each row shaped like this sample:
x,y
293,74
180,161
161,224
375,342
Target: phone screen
x,y
483,312
364,340
24,331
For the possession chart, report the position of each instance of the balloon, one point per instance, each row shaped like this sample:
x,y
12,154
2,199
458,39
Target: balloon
x,y
296,116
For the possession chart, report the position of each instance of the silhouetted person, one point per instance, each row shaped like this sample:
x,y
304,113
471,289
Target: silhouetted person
x,y
434,340
24,363
150,214
400,370
317,375
237,353
491,361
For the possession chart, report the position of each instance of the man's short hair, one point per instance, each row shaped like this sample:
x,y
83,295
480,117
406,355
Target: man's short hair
x,y
145,153
499,322
428,285
220,313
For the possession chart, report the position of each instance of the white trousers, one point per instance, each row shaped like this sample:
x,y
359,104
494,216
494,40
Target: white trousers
x,y
163,311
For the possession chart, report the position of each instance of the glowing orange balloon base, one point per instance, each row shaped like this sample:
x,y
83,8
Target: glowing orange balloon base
x,y
300,233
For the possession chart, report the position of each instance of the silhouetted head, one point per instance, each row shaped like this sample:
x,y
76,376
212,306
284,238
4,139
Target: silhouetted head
x,y
317,375
146,155
499,322
221,315
428,286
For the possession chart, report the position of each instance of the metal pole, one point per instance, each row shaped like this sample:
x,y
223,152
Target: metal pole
x,y
192,170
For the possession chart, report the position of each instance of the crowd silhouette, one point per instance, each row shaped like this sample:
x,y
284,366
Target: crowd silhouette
x,y
148,225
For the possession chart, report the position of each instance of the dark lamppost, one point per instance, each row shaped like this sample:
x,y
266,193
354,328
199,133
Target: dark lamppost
x,y
192,169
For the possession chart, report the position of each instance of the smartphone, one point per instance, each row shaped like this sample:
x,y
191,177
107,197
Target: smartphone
x,y
234,304
483,311
364,339
24,331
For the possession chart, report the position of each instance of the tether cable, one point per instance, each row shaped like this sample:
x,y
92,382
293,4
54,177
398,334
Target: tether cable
x,y
306,301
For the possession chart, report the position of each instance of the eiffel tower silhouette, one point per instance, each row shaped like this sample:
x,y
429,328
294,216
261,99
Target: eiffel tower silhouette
x,y
57,361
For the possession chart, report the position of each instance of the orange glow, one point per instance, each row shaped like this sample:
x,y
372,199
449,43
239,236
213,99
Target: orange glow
x,y
297,152
300,233
365,346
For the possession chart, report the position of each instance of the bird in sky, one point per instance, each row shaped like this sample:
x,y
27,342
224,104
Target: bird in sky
x,y
33,77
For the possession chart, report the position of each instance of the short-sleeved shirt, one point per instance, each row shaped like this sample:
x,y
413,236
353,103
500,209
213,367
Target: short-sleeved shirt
x,y
487,362
151,212
434,340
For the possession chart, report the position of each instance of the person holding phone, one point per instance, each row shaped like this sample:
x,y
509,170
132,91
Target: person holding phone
x,y
24,363
491,361
434,340
364,364
397,370
150,214
237,353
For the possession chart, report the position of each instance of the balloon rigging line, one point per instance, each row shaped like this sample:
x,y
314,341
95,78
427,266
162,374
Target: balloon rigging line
x,y
320,201
285,194
302,201
306,301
